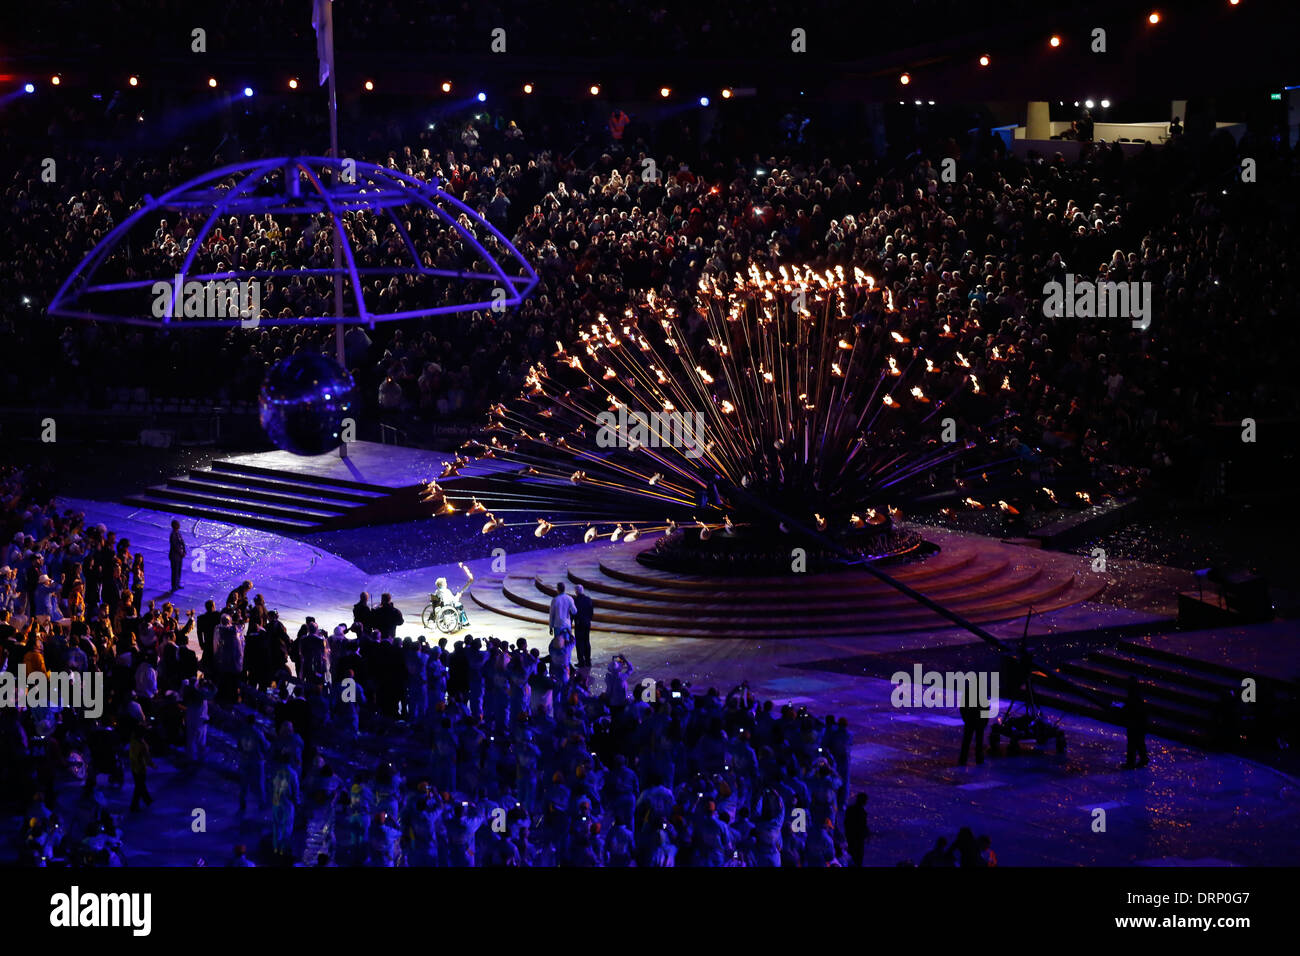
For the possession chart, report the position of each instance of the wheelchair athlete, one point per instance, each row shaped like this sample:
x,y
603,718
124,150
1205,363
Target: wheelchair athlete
x,y
445,600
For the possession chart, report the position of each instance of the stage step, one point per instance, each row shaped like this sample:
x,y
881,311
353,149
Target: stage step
x,y
1188,698
218,513
229,467
236,500
285,485
291,499
1160,725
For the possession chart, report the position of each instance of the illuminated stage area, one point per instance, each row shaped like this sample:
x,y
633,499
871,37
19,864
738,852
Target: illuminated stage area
x,y
632,437
904,758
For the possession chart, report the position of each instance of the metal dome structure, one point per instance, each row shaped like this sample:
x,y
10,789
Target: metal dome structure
x,y
131,277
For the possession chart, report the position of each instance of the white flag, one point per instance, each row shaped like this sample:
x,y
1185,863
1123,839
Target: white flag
x,y
322,21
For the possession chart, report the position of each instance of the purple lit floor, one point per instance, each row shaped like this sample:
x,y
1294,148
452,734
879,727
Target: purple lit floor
x,y
1188,807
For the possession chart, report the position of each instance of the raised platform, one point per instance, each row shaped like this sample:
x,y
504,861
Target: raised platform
x,y
985,584
1082,525
280,491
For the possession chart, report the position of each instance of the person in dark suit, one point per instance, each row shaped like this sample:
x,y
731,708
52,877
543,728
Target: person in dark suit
x,y
856,830
187,662
362,612
582,625
1135,726
176,554
206,625
387,617
973,722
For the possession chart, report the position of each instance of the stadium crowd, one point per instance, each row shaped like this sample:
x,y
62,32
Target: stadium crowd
x,y
967,259
493,754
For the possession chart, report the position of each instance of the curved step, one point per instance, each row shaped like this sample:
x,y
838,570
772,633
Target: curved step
x,y
853,621
992,581
495,601
625,567
975,575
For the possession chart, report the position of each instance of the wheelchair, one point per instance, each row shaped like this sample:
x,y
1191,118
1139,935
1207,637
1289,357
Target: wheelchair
x,y
447,618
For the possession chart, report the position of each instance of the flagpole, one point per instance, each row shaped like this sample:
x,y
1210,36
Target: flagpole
x,y
338,226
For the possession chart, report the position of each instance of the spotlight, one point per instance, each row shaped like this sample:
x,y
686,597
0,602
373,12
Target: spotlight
x,y
212,82
930,102
370,85
482,97
917,103
29,87
727,93
1154,17
984,60
446,86
134,81
1233,3
55,80
905,79
248,91
704,101
1055,41
594,90
1105,104
664,92
528,88
293,84
1088,104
